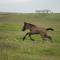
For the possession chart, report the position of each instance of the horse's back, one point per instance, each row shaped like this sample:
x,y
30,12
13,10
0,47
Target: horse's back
x,y
38,29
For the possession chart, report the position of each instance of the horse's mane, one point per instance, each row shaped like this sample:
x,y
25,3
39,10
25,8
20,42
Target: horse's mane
x,y
31,24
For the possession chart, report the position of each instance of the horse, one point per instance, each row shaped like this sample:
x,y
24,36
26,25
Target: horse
x,y
33,29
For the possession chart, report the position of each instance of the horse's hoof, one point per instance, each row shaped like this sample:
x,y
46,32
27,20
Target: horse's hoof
x,y
33,40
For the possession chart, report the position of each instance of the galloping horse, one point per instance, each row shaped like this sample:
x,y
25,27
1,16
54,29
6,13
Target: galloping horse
x,y
36,30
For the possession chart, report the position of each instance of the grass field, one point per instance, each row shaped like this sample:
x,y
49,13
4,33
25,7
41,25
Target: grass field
x,y
12,47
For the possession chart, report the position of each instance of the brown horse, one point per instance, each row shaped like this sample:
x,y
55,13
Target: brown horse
x,y
36,30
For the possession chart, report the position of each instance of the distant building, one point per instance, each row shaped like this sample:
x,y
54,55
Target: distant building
x,y
43,11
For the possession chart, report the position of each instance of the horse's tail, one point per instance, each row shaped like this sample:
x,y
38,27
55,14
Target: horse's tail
x,y
50,29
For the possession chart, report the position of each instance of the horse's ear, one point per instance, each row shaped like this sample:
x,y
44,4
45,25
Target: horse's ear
x,y
25,22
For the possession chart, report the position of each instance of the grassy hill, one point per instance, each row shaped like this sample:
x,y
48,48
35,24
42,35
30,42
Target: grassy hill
x,y
12,47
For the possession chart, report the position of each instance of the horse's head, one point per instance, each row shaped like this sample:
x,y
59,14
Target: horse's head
x,y
25,26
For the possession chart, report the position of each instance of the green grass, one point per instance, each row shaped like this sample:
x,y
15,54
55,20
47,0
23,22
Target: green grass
x,y
12,47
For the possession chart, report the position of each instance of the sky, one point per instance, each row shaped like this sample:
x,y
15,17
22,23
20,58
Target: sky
x,y
29,5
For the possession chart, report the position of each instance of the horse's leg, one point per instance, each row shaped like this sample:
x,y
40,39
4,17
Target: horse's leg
x,y
49,37
25,36
42,36
30,36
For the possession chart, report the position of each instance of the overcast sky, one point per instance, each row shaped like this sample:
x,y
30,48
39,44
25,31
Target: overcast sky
x,y
29,5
